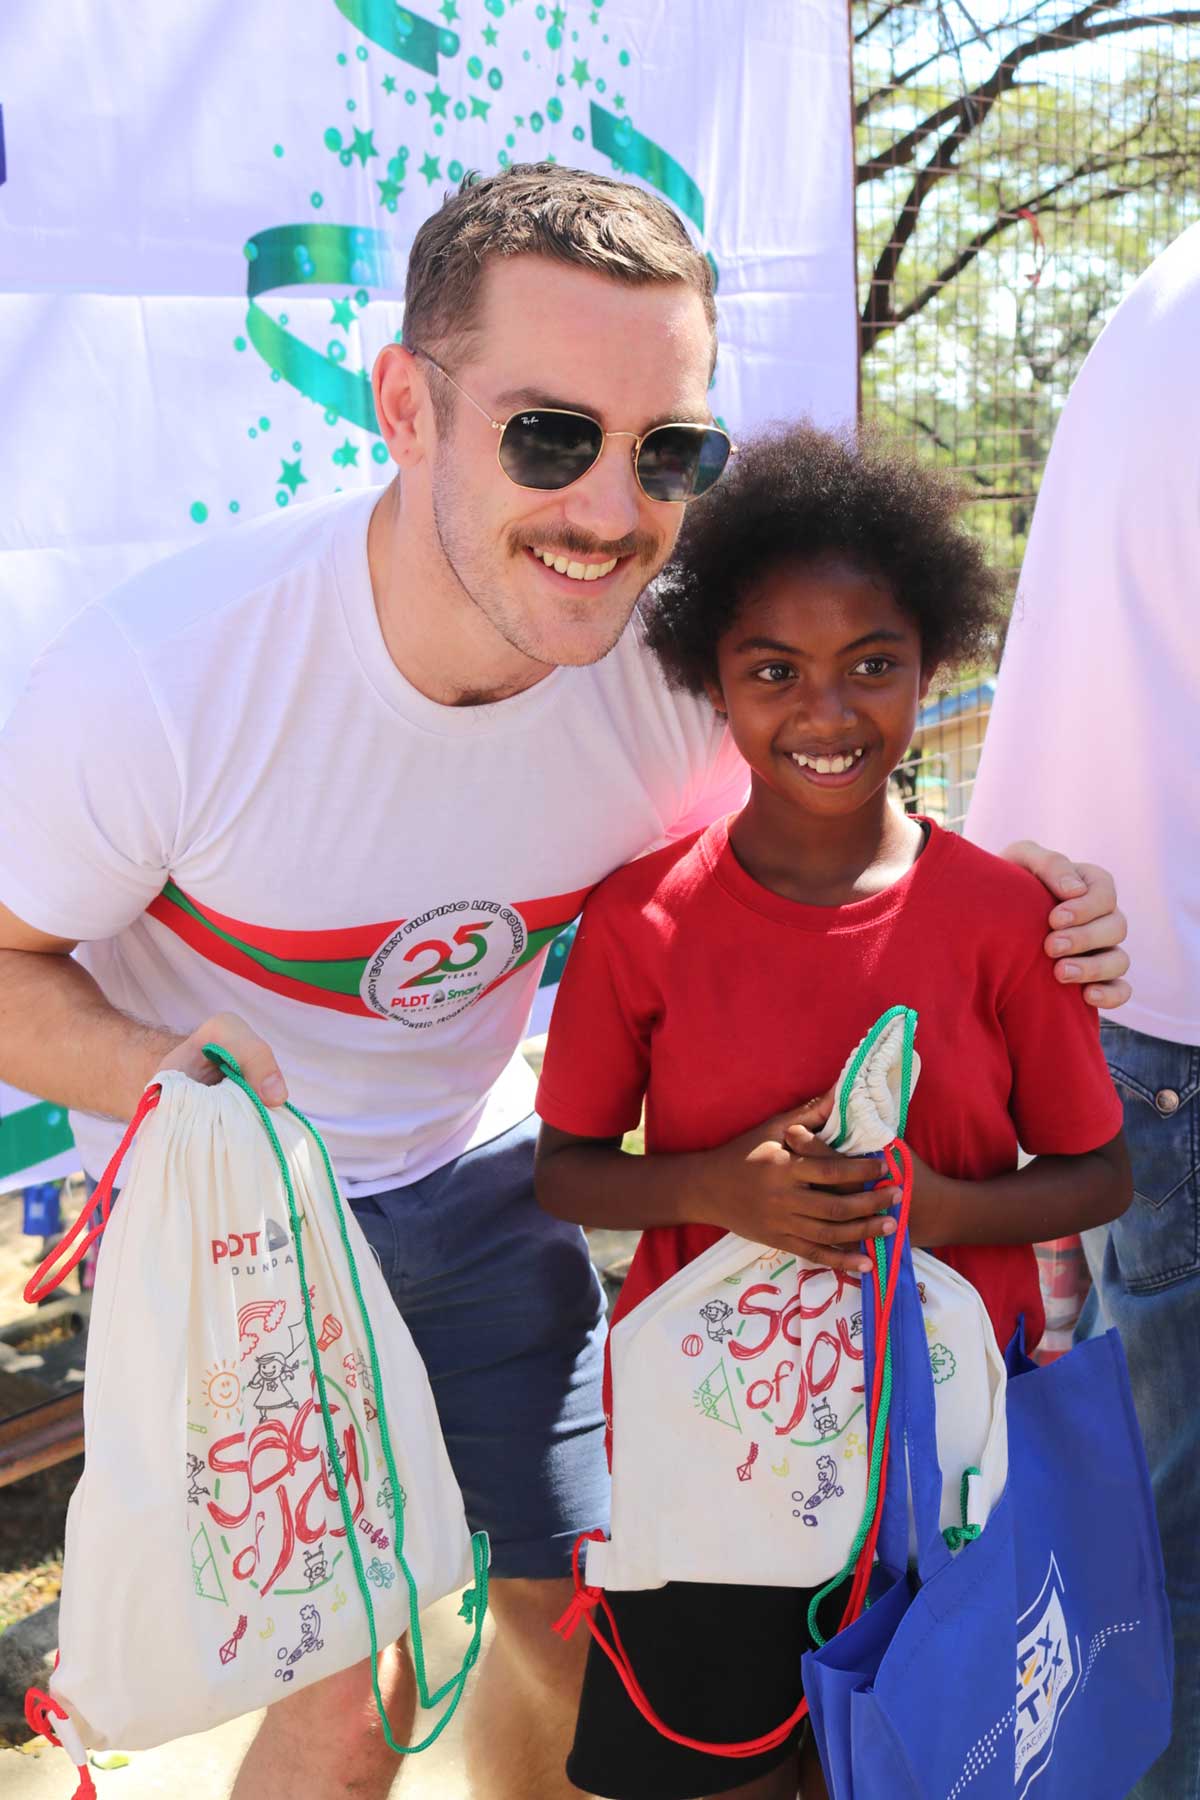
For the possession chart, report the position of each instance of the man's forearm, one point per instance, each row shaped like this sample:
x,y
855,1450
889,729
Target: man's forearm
x,y
61,1040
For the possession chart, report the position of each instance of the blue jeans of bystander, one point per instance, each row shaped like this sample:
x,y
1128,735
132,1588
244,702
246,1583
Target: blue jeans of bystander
x,y
1146,1274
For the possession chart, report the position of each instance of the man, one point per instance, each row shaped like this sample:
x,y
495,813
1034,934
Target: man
x,y
351,768
1109,584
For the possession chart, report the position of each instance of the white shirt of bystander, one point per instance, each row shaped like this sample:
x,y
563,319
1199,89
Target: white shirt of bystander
x,y
1094,739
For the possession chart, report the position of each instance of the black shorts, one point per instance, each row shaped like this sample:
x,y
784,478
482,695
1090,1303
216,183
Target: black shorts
x,y
716,1662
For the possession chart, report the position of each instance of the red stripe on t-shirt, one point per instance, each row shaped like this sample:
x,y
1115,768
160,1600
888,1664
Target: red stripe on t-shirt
x,y
227,956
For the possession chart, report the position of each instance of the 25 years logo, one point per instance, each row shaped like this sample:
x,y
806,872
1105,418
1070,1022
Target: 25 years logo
x,y
433,967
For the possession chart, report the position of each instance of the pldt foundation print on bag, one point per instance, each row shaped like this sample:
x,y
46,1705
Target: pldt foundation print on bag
x,y
266,1495
739,1413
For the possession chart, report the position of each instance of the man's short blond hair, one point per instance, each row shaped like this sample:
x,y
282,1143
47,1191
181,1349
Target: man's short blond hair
x,y
540,209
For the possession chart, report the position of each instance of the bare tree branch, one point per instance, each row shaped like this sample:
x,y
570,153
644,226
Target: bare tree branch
x,y
875,321
970,109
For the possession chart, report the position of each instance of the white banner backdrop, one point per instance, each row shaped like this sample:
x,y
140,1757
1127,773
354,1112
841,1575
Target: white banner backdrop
x,y
205,211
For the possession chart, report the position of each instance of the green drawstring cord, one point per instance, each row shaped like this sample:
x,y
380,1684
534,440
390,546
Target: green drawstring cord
x,y
475,1599
885,1391
958,1535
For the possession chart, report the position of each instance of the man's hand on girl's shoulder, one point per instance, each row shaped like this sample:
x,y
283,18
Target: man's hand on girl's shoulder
x,y
1087,928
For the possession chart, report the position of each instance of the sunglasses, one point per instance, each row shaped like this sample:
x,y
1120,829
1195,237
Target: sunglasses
x,y
550,447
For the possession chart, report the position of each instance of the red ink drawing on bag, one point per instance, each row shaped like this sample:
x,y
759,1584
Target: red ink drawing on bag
x,y
310,1639
229,1648
262,1466
331,1331
267,1313
692,1344
745,1468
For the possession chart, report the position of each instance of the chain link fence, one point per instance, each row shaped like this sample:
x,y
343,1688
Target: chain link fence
x,y
1018,166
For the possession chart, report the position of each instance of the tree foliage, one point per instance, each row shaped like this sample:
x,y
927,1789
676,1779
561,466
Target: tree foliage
x,y
1017,168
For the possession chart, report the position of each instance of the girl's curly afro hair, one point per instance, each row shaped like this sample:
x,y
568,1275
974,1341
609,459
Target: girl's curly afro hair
x,y
796,494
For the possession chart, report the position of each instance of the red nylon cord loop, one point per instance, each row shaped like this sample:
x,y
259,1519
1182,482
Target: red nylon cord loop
x,y
70,1251
39,1706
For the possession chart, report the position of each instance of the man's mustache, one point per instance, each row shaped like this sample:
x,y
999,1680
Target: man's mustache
x,y
573,544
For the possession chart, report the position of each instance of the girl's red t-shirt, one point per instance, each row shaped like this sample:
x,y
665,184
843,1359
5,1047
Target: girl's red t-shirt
x,y
718,1003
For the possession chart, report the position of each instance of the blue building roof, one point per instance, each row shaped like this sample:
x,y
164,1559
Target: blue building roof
x,y
950,706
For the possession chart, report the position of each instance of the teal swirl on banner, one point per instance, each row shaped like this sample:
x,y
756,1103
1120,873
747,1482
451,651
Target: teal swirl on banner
x,y
292,255
364,258
406,35
638,155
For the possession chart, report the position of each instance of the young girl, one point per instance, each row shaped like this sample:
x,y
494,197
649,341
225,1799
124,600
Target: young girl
x,y
724,980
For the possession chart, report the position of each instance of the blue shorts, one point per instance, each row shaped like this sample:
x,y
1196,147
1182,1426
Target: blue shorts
x,y
508,1314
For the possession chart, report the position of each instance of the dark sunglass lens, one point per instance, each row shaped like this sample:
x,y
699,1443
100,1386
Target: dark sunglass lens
x,y
549,449
680,462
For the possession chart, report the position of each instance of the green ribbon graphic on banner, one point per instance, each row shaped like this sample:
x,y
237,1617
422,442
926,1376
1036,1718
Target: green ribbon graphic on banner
x,y
637,155
291,256
406,35
362,257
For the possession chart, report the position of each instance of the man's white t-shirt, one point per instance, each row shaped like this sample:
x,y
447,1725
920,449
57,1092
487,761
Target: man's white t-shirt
x,y
1094,741
219,783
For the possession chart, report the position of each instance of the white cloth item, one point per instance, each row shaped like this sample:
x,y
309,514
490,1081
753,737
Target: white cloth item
x,y
232,720
207,1568
1092,744
739,1413
867,1094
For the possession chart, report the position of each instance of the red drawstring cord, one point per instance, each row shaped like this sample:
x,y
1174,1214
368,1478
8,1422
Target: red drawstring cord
x,y
586,1600
48,1275
39,1707
899,1164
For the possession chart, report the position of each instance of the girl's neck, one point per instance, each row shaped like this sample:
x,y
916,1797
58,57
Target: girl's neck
x,y
824,861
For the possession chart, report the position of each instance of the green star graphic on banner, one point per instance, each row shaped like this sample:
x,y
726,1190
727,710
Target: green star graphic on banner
x,y
347,456
363,145
389,192
292,477
437,102
619,102
580,74
558,18
490,35
479,108
448,11
389,84
343,313
431,168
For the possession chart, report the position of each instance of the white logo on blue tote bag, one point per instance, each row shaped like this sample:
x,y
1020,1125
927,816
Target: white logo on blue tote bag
x,y
1048,1666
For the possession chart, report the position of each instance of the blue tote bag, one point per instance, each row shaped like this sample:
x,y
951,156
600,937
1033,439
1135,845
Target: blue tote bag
x,y
1037,1656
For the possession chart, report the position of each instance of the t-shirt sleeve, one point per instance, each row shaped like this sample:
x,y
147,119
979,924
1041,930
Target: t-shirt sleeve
x,y
722,788
1063,1100
89,790
597,1058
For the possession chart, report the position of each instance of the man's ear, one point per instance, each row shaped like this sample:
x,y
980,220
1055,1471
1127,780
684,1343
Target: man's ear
x,y
402,405
928,671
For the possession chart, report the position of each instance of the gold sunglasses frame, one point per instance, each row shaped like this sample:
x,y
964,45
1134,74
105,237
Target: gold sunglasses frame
x,y
571,412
